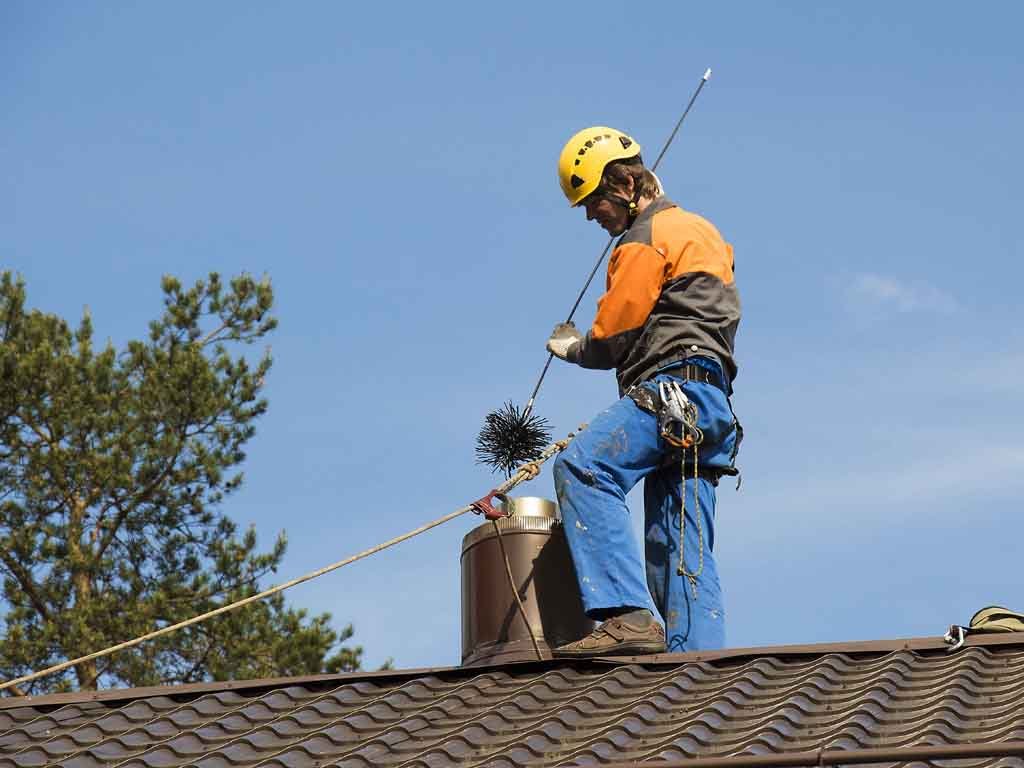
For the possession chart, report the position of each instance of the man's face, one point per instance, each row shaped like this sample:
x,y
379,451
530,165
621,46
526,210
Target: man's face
x,y
612,217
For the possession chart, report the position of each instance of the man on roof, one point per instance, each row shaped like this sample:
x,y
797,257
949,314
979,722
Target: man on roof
x,y
667,324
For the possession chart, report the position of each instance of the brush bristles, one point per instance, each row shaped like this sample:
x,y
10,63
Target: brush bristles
x,y
510,438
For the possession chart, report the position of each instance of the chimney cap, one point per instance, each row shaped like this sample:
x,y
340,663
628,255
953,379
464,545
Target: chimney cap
x,y
530,506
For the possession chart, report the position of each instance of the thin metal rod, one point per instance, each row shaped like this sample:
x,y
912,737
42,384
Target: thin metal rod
x,y
664,149
608,246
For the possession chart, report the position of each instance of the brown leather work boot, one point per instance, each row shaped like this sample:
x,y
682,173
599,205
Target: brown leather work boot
x,y
616,637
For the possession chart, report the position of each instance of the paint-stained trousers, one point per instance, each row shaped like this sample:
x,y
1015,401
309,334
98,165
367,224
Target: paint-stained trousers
x,y
620,447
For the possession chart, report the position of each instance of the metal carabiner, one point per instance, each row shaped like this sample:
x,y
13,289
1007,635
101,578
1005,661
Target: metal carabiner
x,y
955,636
673,418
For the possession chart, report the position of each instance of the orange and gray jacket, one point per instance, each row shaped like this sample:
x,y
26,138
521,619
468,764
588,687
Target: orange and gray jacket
x,y
671,294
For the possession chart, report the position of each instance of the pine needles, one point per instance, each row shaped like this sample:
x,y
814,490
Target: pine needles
x,y
510,438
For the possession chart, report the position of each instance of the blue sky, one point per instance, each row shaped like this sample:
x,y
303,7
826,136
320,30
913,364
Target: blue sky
x,y
391,167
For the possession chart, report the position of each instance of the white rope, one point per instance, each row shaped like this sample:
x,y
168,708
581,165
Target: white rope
x,y
526,472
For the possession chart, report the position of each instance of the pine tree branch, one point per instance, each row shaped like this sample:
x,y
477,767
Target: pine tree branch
x,y
26,583
34,428
53,444
202,661
122,515
123,512
213,334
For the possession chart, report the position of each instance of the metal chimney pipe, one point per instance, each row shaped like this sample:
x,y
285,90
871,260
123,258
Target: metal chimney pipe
x,y
493,631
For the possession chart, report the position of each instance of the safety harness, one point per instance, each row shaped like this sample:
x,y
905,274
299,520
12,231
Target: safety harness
x,y
651,400
677,419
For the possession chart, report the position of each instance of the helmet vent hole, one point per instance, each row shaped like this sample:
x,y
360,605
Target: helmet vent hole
x,y
576,181
625,142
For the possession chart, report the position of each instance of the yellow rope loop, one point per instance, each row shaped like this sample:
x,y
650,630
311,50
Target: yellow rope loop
x,y
691,576
531,469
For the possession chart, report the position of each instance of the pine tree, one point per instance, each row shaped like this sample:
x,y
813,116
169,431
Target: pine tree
x,y
114,465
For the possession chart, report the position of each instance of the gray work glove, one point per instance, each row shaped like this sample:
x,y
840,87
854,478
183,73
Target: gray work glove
x,y
565,342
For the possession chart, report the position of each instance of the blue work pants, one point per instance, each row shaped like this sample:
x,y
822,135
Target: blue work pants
x,y
601,465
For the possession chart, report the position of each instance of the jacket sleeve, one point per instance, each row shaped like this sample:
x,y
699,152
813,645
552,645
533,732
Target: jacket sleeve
x,y
636,274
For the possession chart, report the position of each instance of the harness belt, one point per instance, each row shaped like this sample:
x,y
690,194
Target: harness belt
x,y
650,401
692,372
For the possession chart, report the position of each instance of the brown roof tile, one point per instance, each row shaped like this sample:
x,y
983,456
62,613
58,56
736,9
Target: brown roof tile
x,y
755,701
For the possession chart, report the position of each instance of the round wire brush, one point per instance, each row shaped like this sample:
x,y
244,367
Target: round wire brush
x,y
511,437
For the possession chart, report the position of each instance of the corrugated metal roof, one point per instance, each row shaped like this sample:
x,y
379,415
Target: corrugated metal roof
x,y
668,707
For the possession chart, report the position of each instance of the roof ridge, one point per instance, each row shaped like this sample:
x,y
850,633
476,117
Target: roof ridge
x,y
669,659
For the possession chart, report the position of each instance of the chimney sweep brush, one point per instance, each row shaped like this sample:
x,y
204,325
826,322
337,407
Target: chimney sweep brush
x,y
511,437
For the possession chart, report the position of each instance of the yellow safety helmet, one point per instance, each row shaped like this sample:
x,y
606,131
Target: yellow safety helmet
x,y
585,156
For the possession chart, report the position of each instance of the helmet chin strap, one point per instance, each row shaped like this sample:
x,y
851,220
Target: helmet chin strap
x,y
629,205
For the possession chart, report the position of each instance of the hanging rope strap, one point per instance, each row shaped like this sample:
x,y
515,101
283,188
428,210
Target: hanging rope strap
x,y
692,436
515,592
526,472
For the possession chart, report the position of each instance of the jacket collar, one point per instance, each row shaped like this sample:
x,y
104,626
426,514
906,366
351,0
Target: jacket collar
x,y
657,205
